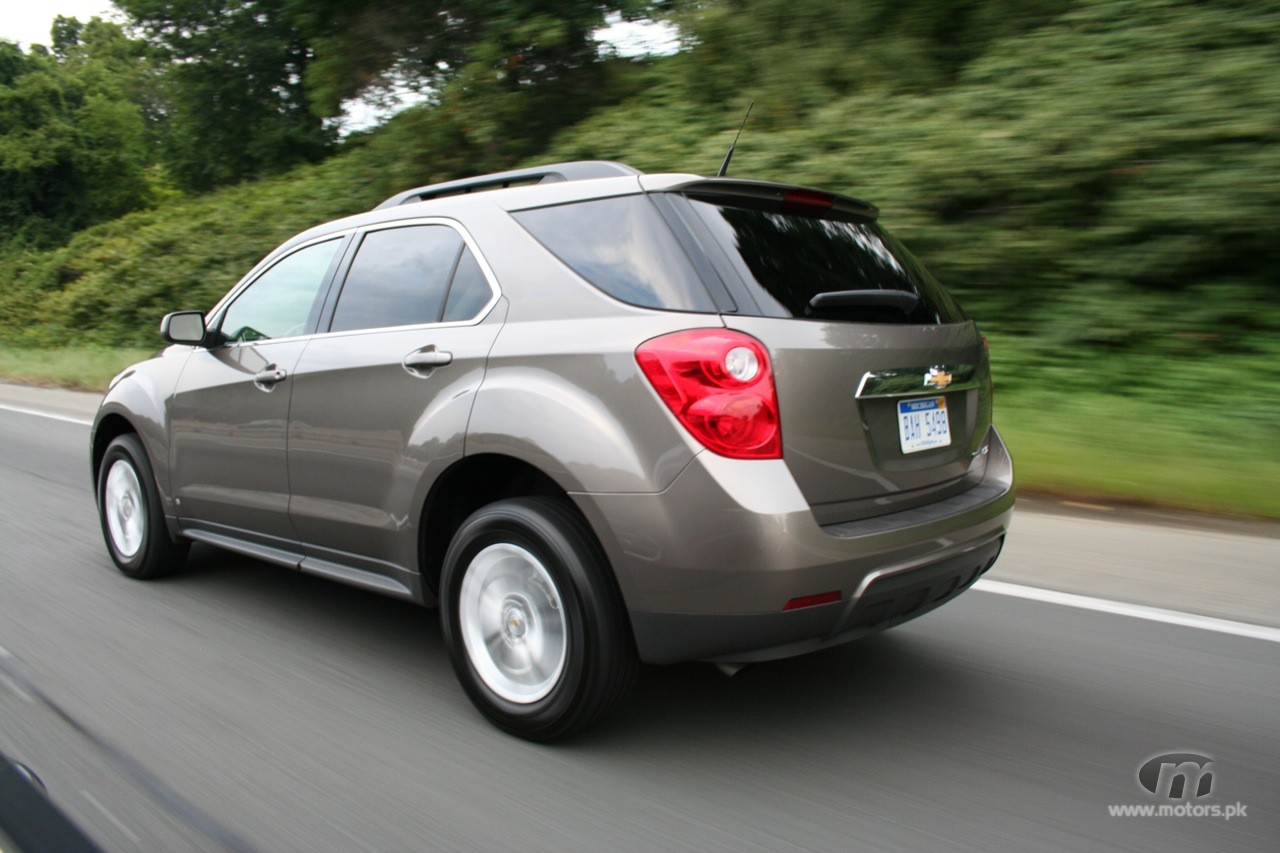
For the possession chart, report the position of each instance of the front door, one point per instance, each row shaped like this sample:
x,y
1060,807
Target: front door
x,y
231,407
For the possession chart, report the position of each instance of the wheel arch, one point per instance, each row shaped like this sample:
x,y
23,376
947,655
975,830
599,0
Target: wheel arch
x,y
111,426
464,487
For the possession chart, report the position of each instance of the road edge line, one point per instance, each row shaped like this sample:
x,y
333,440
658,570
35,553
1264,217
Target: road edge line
x,y
1137,611
22,410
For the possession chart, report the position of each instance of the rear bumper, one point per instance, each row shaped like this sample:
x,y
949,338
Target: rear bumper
x,y
706,566
887,601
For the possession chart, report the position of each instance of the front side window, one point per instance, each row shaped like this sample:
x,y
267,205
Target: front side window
x,y
400,277
279,304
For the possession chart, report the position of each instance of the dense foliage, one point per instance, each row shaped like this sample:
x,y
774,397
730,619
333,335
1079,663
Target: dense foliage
x,y
235,101
1096,176
74,146
200,94
251,85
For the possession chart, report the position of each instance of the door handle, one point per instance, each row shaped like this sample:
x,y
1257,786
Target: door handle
x,y
265,379
426,359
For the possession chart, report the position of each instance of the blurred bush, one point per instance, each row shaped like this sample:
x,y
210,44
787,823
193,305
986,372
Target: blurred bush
x,y
1051,174
1098,183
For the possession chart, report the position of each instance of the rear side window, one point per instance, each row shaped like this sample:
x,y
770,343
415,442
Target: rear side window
x,y
469,292
786,259
400,277
623,247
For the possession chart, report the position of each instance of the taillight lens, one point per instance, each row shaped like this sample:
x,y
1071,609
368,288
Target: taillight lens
x,y
719,385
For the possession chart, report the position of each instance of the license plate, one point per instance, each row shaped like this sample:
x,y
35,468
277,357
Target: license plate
x,y
923,424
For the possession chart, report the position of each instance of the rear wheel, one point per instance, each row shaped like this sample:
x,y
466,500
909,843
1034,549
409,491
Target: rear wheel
x,y
129,509
534,622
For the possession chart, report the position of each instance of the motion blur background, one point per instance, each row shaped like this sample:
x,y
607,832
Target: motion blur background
x,y
1098,181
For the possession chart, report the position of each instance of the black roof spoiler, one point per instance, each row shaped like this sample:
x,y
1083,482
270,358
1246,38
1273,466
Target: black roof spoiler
x,y
778,197
581,170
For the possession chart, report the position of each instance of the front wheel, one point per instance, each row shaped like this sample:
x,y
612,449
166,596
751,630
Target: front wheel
x,y
534,622
129,509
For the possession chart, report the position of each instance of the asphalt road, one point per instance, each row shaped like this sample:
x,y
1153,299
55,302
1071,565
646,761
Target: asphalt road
x,y
304,715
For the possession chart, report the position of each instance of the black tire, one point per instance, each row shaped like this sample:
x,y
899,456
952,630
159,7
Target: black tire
x,y
599,661
156,554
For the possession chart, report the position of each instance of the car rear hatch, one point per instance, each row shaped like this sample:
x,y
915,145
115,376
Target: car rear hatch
x,y
883,383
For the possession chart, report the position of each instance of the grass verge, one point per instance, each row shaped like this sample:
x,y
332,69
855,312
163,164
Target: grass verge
x,y
77,368
1119,450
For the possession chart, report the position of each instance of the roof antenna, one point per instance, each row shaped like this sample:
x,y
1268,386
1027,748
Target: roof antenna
x,y
724,167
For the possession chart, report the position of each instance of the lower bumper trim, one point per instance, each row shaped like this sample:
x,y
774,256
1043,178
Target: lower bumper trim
x,y
889,600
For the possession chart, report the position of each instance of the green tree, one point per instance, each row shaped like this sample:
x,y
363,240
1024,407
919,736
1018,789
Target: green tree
x,y
74,147
234,98
794,57
252,82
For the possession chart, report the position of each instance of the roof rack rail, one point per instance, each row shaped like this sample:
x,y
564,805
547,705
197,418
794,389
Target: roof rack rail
x,y
581,170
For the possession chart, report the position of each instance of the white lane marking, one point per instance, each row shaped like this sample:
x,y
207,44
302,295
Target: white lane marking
x,y
39,414
1137,611
109,816
8,683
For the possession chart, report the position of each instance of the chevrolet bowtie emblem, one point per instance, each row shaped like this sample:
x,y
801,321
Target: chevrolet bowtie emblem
x,y
937,378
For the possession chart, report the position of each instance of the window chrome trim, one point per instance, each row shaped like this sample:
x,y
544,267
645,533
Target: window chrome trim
x,y
358,233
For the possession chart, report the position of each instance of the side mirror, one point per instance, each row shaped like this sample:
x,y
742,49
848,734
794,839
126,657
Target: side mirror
x,y
183,327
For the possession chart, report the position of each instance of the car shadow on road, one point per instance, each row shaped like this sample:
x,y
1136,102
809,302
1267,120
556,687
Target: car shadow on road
x,y
889,682
330,612
881,683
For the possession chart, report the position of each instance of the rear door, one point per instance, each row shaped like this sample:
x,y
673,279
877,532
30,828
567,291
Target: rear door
x,y
381,402
883,382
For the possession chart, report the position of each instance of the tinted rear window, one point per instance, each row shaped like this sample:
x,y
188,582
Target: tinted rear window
x,y
787,259
622,246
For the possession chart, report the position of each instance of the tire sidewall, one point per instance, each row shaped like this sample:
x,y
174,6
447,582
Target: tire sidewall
x,y
128,449
521,524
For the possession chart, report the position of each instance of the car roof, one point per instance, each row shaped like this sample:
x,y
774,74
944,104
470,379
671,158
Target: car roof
x,y
553,184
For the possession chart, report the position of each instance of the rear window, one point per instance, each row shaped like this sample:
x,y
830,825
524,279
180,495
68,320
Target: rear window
x,y
786,259
622,246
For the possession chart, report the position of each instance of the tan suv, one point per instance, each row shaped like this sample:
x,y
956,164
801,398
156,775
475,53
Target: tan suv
x,y
599,417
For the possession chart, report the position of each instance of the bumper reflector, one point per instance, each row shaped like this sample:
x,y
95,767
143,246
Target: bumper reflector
x,y
812,600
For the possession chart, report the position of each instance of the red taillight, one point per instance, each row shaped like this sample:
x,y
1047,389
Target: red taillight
x,y
812,600
807,201
719,385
